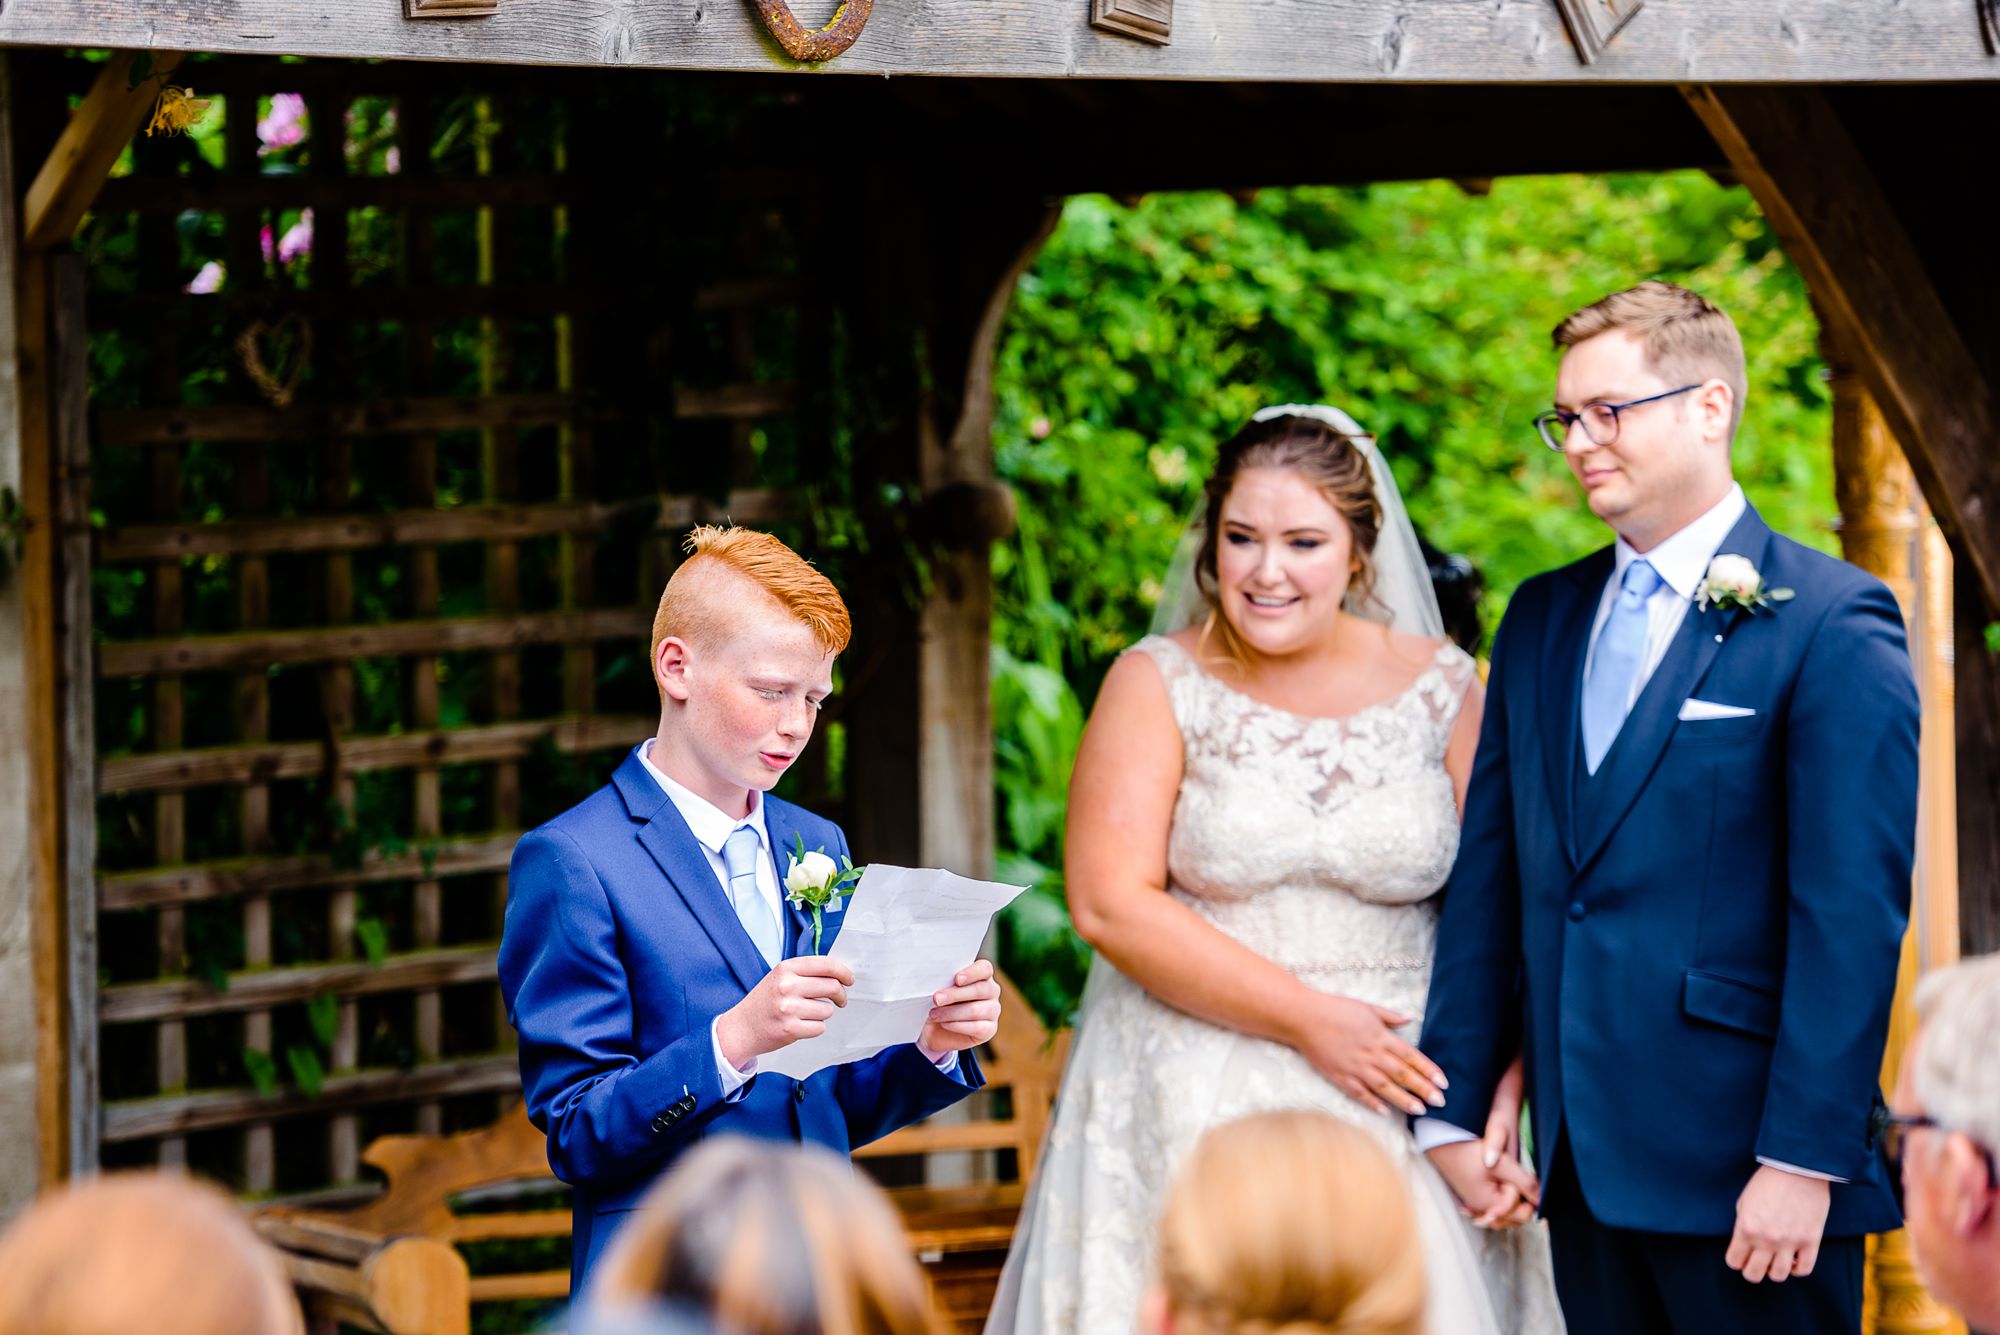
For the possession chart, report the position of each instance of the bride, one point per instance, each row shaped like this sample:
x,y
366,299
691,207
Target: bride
x,y
1264,806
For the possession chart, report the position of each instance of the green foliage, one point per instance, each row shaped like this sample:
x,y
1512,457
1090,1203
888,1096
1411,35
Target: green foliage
x,y
1144,335
1036,725
373,935
263,1072
308,1072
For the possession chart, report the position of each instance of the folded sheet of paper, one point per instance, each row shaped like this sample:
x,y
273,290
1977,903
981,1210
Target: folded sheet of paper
x,y
906,932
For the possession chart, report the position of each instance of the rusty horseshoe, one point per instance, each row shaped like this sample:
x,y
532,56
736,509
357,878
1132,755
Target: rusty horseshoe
x,y
828,42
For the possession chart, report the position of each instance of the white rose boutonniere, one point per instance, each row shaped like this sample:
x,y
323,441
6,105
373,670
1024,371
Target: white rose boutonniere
x,y
1733,582
814,882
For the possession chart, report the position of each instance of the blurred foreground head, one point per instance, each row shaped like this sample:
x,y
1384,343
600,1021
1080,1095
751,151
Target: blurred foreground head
x,y
141,1252
768,1239
1948,1091
1289,1223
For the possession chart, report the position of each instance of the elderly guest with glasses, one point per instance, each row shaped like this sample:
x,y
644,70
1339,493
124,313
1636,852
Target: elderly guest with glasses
x,y
1942,1136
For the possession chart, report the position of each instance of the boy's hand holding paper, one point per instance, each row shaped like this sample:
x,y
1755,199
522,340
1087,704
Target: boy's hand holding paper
x,y
912,936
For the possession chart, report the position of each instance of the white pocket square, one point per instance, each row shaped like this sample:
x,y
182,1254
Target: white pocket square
x,y
1697,710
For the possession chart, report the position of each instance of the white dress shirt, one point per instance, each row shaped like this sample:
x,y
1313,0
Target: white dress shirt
x,y
711,827
1681,563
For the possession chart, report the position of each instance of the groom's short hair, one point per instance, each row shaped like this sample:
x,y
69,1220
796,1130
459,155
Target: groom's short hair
x,y
697,606
1687,337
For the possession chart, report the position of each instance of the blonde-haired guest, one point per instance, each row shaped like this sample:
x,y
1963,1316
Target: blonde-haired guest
x,y
767,1239
1287,1223
141,1252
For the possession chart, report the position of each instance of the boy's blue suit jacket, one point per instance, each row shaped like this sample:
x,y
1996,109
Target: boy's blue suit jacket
x,y
619,950
1698,944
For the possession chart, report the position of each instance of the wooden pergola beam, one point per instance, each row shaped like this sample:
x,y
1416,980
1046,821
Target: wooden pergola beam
x,y
88,148
1815,185
1347,41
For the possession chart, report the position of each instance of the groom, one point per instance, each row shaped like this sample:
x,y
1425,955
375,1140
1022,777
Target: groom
x,y
648,958
1685,869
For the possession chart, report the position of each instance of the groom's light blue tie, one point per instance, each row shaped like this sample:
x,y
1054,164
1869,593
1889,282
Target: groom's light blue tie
x,y
1621,647
739,857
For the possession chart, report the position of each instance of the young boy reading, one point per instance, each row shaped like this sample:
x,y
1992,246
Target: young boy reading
x,y
649,956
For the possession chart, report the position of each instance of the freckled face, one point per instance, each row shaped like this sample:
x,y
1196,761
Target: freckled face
x,y
1284,559
747,702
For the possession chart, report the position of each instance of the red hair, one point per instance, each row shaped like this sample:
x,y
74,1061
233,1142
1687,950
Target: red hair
x,y
690,610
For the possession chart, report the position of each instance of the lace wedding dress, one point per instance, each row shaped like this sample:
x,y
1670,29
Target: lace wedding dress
x,y
1319,843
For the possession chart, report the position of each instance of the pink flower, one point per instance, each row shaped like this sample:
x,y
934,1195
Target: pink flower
x,y
297,240
208,280
285,126
392,161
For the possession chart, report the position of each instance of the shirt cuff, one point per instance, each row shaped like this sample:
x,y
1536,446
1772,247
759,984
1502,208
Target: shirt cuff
x,y
733,1078
946,1062
1802,1172
1432,1134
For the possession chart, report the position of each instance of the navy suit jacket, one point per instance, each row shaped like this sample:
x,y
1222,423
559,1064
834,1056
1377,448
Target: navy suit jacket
x,y
619,950
1697,945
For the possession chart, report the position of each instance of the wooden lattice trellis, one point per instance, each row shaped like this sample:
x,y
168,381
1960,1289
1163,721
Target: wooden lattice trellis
x,y
350,644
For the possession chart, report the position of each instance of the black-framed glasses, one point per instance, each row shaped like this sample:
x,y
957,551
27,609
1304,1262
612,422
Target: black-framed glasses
x,y
1600,420
1893,1130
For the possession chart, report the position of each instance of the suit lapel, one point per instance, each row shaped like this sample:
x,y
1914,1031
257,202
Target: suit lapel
x,y
779,825
1566,643
665,835
1641,742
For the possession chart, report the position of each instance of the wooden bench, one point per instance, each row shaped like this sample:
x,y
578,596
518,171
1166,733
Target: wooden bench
x,y
399,1263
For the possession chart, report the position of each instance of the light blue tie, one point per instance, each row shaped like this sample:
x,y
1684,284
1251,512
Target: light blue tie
x,y
1621,648
739,856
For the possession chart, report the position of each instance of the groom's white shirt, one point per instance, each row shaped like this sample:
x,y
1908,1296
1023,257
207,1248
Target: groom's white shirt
x,y
1681,563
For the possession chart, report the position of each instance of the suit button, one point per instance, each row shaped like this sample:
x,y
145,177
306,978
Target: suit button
x,y
686,1105
659,1125
1576,911
798,1093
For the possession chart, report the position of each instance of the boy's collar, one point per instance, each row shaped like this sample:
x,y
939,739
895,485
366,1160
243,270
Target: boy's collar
x,y
709,824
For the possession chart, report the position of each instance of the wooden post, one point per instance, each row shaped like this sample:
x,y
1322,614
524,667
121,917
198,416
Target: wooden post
x,y
941,278
30,1082
1929,378
1934,650
88,148
326,115
1877,494
1878,299
931,298
77,672
415,134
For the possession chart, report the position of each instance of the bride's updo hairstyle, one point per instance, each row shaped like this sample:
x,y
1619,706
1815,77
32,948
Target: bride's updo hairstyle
x,y
1324,457
1290,1223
